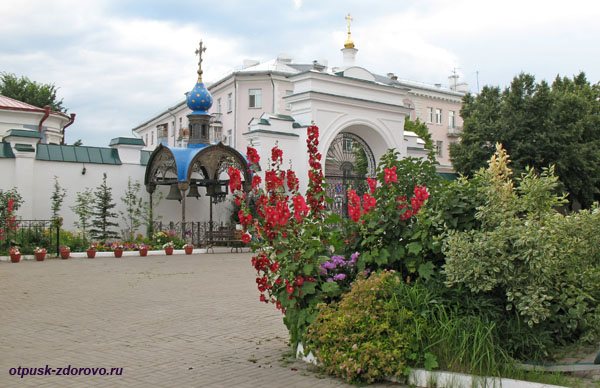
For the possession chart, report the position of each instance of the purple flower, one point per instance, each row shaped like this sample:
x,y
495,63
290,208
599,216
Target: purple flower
x,y
329,280
328,265
354,257
338,260
339,276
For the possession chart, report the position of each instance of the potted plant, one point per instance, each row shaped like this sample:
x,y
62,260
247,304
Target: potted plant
x,y
15,254
40,253
188,248
91,251
117,249
168,247
65,252
143,250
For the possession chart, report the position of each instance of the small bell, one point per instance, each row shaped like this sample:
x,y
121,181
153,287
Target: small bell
x,y
174,193
193,192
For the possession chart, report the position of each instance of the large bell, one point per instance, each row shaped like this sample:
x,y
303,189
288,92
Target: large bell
x,y
193,192
174,193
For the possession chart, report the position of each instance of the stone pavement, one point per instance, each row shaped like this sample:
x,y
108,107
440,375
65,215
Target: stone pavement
x,y
168,321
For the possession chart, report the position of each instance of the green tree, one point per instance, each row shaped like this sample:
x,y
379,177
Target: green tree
x,y
420,128
30,92
102,213
83,208
134,209
58,197
539,125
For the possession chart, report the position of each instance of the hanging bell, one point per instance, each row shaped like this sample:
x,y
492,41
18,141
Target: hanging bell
x,y
193,192
174,193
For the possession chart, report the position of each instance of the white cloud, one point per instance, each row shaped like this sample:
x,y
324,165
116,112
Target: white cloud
x,y
297,4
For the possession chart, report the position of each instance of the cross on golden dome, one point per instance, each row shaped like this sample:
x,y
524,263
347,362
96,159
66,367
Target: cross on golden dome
x,y
349,43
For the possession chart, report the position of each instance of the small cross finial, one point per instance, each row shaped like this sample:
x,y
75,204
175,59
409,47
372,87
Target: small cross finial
x,y
199,51
348,21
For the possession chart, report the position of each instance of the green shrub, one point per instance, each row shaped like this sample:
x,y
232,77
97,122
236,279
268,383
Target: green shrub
x,y
366,336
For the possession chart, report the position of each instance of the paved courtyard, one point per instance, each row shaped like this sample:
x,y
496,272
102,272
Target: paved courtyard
x,y
168,321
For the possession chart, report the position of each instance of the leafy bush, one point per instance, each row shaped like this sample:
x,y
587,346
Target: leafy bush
x,y
540,263
366,336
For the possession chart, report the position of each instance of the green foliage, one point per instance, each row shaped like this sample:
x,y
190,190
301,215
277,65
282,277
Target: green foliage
x,y
30,92
134,210
7,215
385,239
539,125
83,209
57,198
420,128
163,237
538,262
102,213
366,336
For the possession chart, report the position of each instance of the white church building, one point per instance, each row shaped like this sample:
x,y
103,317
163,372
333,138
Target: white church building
x,y
188,146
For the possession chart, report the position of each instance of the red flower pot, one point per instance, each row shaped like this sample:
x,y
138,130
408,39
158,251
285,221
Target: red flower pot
x,y
169,251
118,253
65,253
144,252
91,253
188,249
15,258
40,256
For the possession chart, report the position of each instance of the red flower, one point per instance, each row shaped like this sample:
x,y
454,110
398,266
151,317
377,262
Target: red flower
x,y
235,179
390,175
246,238
252,155
276,155
300,207
274,267
256,181
372,184
289,289
263,299
353,205
292,180
369,202
299,280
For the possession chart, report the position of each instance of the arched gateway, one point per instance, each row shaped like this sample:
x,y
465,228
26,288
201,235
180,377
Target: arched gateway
x,y
349,161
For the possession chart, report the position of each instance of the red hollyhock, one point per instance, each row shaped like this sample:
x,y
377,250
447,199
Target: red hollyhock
x,y
292,180
353,205
372,184
300,207
235,179
252,155
369,202
256,181
276,155
246,238
390,175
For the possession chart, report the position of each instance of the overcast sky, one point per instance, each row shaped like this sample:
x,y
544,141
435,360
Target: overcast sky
x,y
119,62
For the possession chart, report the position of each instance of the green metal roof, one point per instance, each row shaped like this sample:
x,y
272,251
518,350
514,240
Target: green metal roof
x,y
145,157
77,154
127,141
451,176
23,133
6,150
24,147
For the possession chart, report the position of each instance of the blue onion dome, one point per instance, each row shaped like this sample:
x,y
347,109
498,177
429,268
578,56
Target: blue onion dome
x,y
199,100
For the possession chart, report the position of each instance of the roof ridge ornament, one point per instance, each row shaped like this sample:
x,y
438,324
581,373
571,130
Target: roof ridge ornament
x,y
199,51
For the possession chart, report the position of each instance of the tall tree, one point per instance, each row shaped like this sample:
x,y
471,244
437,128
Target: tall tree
x,y
31,92
134,208
102,213
83,208
57,198
539,125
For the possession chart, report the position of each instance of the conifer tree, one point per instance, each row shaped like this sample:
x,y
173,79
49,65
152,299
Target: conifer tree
x,y
102,213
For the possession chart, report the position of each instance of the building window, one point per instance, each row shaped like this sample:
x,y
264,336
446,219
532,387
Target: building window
x,y
146,142
288,106
255,98
438,116
439,147
152,138
217,134
229,102
180,125
451,119
230,137
430,115
218,105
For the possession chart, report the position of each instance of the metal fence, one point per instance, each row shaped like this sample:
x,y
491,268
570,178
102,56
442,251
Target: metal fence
x,y
33,233
194,232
